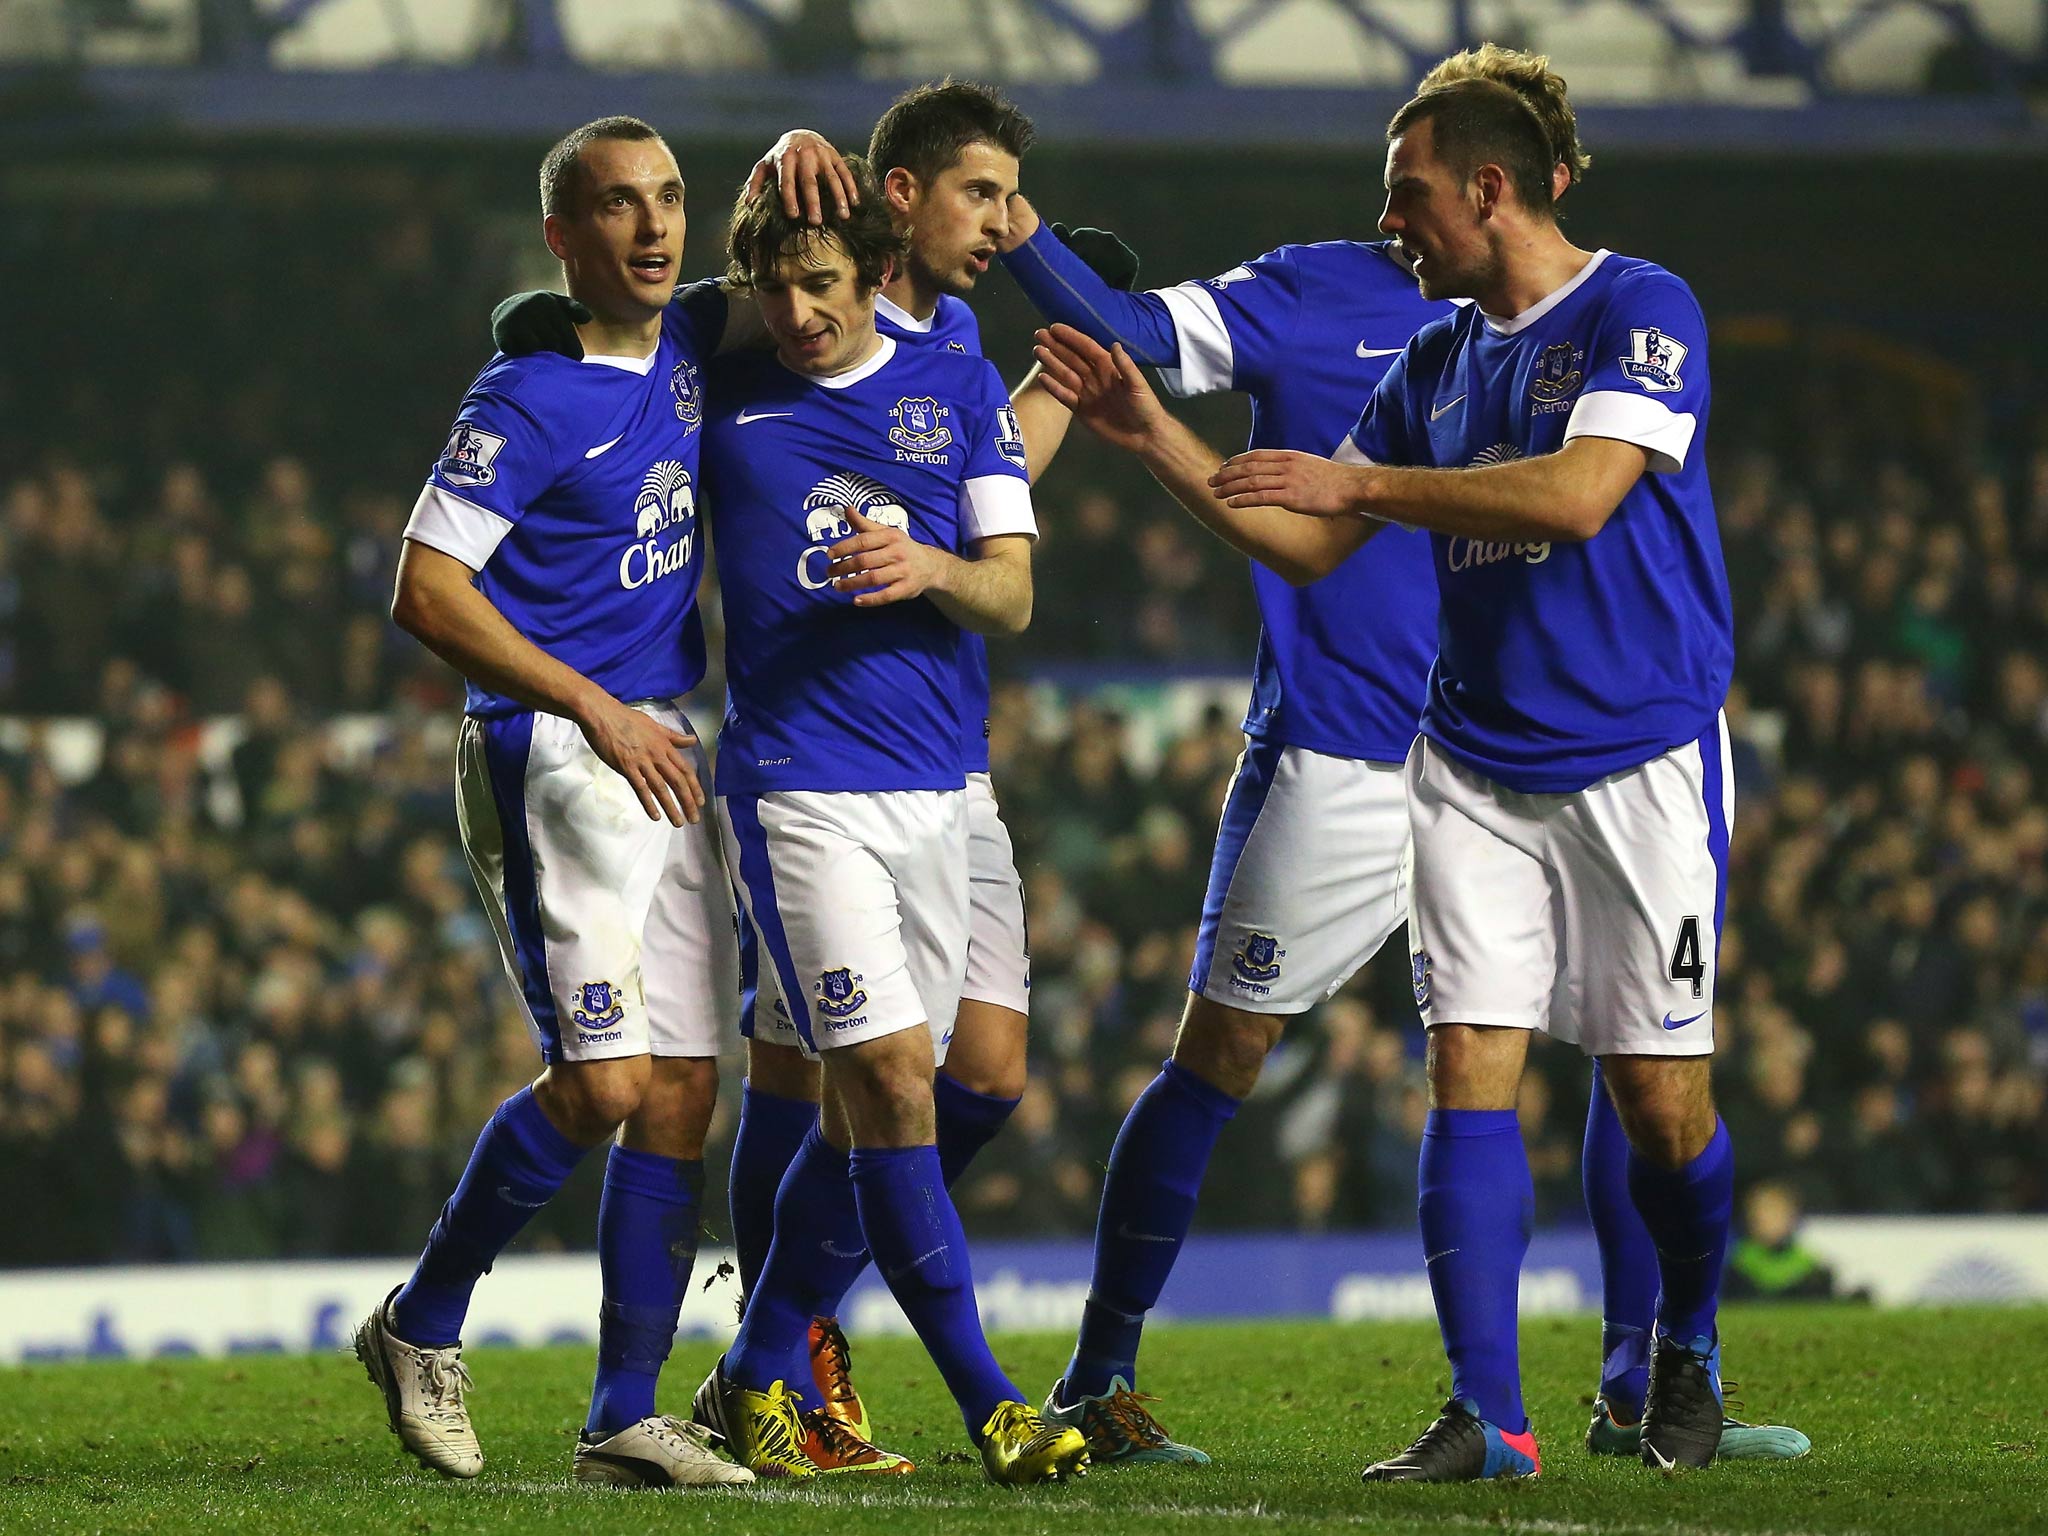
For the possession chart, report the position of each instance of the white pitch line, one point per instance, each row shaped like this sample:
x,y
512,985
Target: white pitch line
x,y
911,1500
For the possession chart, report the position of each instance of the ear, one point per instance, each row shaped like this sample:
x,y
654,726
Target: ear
x,y
899,189
1560,180
1489,185
557,236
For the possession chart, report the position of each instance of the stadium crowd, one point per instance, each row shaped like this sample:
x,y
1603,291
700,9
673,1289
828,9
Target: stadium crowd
x,y
250,1004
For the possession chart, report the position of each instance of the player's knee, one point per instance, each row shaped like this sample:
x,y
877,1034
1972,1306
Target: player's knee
x,y
886,1088
1225,1047
674,1113
1470,1067
988,1054
1665,1104
588,1100
782,1070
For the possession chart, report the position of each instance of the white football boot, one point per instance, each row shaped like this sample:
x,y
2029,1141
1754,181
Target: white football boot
x,y
423,1391
657,1452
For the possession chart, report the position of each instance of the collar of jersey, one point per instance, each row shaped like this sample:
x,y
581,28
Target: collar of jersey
x,y
639,365
854,374
1548,302
897,314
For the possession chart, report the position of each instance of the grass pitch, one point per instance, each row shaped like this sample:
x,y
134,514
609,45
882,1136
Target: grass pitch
x,y
1921,1422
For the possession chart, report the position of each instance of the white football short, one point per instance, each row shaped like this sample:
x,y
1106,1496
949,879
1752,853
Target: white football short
x,y
1594,916
998,939
1309,878
617,930
858,904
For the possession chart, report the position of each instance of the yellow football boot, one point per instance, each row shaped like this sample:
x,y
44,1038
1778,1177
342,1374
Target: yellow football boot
x,y
832,1370
762,1431
1019,1447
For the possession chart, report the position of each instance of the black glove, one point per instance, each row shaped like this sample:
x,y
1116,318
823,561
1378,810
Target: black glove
x,y
1105,255
539,321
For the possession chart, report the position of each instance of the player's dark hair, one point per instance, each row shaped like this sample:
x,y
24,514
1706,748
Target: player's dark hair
x,y
928,128
1530,77
562,166
762,233
1483,122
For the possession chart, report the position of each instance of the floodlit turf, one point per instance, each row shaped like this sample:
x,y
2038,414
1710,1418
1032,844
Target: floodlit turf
x,y
1921,1423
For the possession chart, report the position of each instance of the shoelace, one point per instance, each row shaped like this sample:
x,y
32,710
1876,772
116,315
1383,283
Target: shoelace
x,y
837,1436
781,1431
1450,1430
1127,1413
445,1380
838,1366
682,1431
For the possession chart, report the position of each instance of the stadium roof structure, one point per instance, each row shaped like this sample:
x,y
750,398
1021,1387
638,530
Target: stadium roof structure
x,y
1819,76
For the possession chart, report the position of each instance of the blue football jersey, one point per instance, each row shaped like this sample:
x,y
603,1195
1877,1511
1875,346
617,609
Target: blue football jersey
x,y
824,695
1307,331
570,487
1560,664
952,328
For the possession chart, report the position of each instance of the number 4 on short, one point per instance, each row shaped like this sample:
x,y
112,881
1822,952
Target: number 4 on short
x,y
1686,964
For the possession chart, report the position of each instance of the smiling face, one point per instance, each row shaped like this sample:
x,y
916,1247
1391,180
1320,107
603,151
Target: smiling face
x,y
821,317
955,220
1434,214
620,239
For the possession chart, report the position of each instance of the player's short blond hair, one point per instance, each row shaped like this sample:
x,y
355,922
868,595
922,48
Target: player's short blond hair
x,y
1530,77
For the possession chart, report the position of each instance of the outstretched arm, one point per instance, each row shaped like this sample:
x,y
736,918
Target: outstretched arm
x,y
1064,288
1561,497
1108,392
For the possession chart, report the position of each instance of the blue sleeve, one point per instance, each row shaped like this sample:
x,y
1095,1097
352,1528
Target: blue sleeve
x,y
695,318
995,492
1237,328
1064,288
1646,380
497,463
1382,435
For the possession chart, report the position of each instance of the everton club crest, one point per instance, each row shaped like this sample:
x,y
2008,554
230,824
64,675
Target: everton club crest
x,y
839,995
920,433
1258,959
689,395
1560,370
601,1006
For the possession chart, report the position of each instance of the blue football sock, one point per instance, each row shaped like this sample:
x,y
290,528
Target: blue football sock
x,y
1687,1211
518,1163
1477,1206
1148,1204
771,1130
1628,1260
646,1243
817,1252
967,1122
921,1250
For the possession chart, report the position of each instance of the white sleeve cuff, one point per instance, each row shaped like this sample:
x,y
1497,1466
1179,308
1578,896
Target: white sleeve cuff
x,y
1664,434
1207,363
1347,452
992,506
444,521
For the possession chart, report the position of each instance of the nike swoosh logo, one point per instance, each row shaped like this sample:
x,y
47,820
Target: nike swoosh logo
x,y
898,1274
1365,351
1124,1231
1435,1256
1671,1023
743,418
838,1252
505,1194
1664,1463
1444,407
605,447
